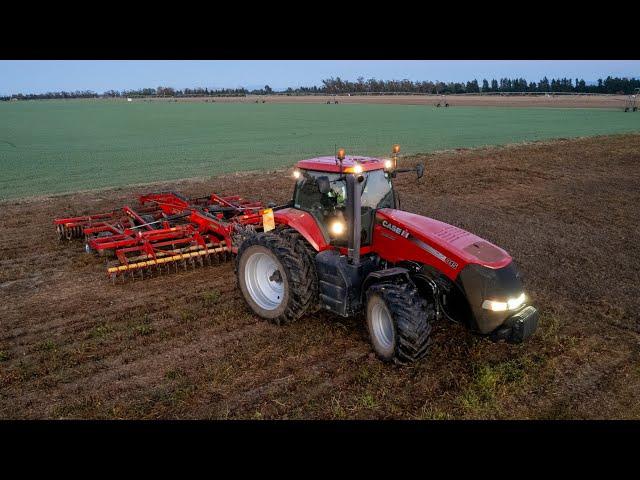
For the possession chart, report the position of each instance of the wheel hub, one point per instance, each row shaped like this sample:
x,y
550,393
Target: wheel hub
x,y
264,281
276,277
382,326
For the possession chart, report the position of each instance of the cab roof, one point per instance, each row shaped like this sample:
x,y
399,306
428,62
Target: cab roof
x,y
332,165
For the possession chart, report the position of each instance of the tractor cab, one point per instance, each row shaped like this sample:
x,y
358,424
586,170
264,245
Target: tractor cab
x,y
321,190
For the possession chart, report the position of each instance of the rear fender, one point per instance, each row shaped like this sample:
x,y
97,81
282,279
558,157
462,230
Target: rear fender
x,y
305,224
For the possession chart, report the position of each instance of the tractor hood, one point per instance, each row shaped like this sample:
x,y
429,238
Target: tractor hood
x,y
453,246
481,270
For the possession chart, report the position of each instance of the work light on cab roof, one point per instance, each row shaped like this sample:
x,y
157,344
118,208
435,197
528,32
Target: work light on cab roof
x,y
392,163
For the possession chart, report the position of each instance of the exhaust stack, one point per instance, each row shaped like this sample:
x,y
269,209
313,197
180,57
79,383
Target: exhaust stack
x,y
353,217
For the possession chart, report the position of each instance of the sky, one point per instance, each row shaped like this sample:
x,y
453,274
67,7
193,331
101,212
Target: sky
x,y
39,76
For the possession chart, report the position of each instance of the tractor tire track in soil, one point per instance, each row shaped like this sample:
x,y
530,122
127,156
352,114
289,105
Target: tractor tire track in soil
x,y
72,345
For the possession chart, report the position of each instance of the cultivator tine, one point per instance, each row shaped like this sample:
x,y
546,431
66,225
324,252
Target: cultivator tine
x,y
193,259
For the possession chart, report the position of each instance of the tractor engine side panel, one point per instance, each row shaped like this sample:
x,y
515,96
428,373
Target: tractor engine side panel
x,y
395,243
400,235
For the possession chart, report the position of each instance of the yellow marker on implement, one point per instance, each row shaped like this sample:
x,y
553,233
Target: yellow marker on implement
x,y
268,222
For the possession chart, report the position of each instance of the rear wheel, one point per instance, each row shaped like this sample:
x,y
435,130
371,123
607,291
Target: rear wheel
x,y
276,276
399,322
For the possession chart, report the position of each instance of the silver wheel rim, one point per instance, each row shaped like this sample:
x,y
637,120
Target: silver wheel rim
x,y
264,281
382,326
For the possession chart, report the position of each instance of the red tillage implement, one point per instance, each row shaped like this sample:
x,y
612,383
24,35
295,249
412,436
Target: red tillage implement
x,y
166,230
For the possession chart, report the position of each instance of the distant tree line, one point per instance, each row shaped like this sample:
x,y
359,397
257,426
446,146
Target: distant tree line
x,y
143,92
53,95
609,85
337,86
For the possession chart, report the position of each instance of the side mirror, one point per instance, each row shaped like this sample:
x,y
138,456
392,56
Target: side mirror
x,y
420,170
323,185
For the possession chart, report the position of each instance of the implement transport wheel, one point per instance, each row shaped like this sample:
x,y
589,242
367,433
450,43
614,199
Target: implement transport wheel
x,y
276,276
399,321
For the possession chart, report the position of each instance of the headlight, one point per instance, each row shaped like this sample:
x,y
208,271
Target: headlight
x,y
337,227
494,306
296,174
514,303
388,164
357,168
510,304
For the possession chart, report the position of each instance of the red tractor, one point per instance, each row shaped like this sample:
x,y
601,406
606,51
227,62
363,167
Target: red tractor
x,y
343,245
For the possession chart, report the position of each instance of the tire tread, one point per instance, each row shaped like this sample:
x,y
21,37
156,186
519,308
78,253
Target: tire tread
x,y
413,317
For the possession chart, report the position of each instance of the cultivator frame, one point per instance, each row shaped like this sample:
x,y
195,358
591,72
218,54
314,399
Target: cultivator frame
x,y
167,230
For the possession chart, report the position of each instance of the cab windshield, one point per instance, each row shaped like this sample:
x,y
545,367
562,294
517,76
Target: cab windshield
x,y
377,192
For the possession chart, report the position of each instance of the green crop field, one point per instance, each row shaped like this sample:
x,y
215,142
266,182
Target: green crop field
x,y
60,146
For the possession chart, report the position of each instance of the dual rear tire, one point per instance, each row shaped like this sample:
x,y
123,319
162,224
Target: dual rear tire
x,y
277,276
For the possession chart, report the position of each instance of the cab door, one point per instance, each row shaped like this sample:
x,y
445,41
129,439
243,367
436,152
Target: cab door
x,y
377,192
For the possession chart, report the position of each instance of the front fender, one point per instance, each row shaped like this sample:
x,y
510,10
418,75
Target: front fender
x,y
306,225
384,275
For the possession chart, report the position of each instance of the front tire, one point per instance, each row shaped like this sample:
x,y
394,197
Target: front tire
x,y
277,280
399,321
